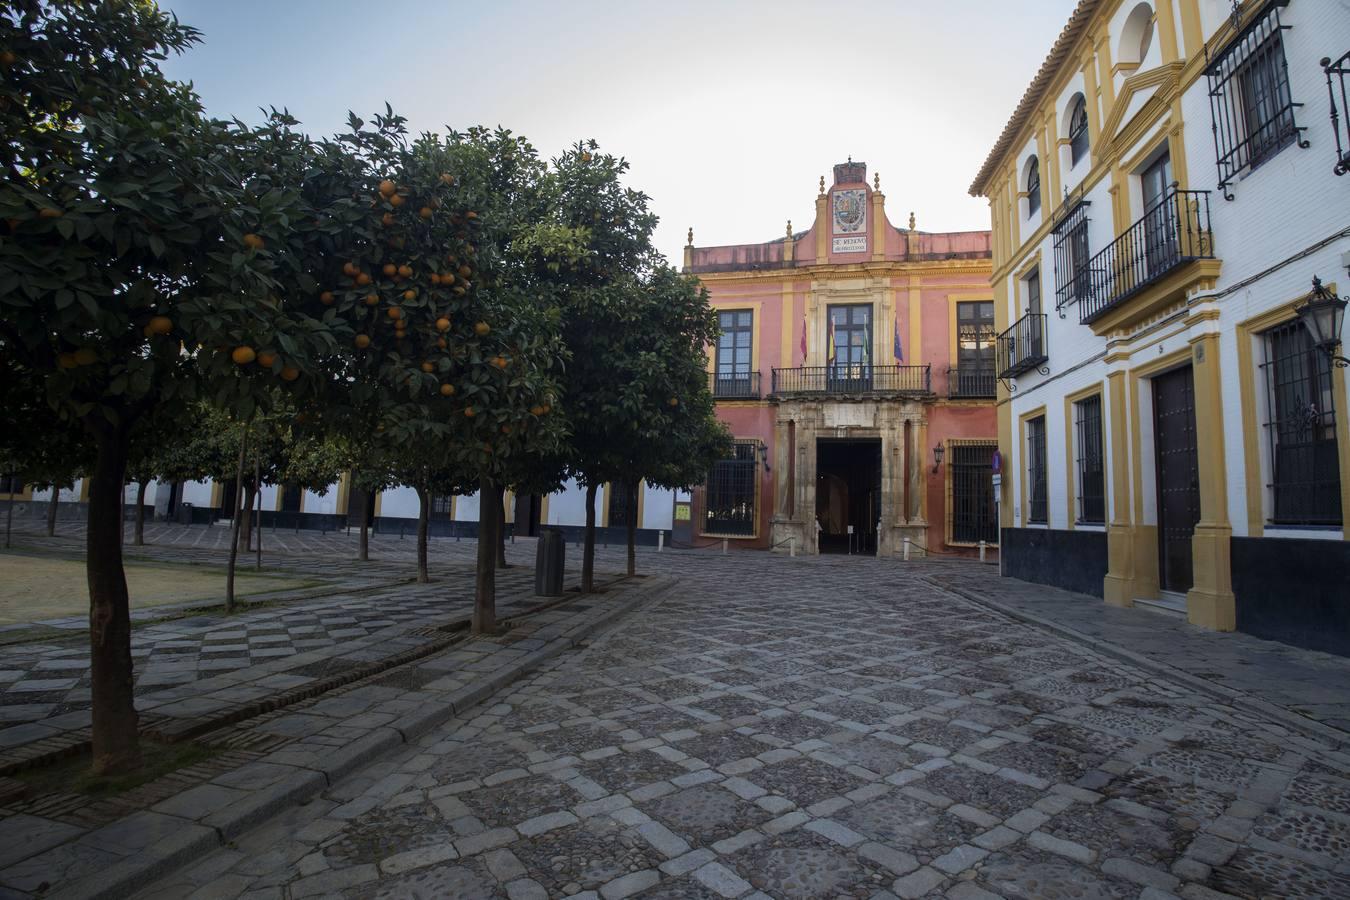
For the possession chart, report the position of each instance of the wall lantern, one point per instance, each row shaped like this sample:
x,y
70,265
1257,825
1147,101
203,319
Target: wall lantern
x,y
938,450
1323,315
764,457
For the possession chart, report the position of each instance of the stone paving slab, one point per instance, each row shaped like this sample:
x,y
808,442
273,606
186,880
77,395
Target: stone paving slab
x,y
821,728
114,859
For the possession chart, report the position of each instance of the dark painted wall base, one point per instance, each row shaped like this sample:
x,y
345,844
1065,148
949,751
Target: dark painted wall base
x,y
1294,591
1073,560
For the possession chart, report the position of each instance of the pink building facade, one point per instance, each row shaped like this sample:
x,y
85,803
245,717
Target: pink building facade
x,y
856,372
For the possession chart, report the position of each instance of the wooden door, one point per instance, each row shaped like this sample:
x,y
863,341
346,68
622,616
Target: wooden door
x,y
1178,476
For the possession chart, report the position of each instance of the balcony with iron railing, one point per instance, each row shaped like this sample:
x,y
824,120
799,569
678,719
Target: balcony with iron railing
x,y
1022,347
1172,234
734,385
971,382
858,379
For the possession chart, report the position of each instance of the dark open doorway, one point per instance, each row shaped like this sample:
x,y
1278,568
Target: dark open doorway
x,y
848,494
528,509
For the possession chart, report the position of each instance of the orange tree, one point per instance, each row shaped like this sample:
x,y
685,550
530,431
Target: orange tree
x,y
148,255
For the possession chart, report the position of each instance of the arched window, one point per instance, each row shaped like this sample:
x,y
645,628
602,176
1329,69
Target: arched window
x,y
1078,130
1136,37
1033,185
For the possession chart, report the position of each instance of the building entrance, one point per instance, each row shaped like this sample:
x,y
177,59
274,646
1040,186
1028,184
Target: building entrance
x,y
1178,476
848,494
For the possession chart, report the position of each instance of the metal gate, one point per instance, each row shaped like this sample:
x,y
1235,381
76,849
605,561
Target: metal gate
x,y
1178,476
974,516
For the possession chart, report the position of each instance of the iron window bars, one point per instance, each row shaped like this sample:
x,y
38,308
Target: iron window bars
x,y
974,516
1173,231
730,493
853,378
734,385
442,506
1078,131
1033,186
1340,68
1305,480
972,381
1037,505
1091,472
1250,105
1072,256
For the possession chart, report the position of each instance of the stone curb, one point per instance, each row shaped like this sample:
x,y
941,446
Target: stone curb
x,y
1291,720
303,784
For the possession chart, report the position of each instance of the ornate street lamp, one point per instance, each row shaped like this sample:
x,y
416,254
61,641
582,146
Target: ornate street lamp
x,y
938,450
1322,315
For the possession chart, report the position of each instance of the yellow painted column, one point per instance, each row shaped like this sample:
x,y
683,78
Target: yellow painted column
x,y
1167,31
1118,587
1209,603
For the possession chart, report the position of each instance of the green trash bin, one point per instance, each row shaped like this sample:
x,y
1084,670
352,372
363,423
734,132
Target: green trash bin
x,y
548,563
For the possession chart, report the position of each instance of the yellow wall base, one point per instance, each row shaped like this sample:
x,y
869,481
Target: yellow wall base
x,y
1210,602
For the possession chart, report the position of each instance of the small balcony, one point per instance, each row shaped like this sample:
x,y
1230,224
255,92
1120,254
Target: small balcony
x,y
971,383
734,385
1173,232
853,380
1022,347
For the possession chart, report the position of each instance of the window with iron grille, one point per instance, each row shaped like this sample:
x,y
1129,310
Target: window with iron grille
x,y
442,507
730,493
1033,282
1037,506
1078,131
974,516
1033,186
1305,479
733,345
1251,109
619,498
1072,274
975,336
1087,420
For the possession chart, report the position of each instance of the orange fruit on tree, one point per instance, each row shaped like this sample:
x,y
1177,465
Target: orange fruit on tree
x,y
159,325
482,328
48,212
362,341
447,278
434,278
428,366
389,270
673,401
471,215
410,294
459,291
405,270
372,299
500,362
350,269
265,359
394,312
447,178
326,298
290,373
447,390
396,201
547,409
440,342
465,271
442,324
253,241
363,279
425,212
85,356
387,188
387,220
470,411
536,410
243,355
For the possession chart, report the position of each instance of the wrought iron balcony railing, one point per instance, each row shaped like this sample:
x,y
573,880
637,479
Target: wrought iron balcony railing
x,y
971,382
734,385
1341,69
1173,231
1022,347
859,378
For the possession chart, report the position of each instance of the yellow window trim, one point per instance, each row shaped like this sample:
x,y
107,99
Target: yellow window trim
x,y
1022,478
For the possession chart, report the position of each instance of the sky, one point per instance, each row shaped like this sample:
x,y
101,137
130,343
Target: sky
x,y
728,112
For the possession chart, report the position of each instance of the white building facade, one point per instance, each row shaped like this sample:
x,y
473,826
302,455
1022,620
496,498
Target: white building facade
x,y
1162,199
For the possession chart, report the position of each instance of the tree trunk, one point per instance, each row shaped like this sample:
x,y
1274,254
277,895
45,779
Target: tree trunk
x,y
51,510
423,516
485,588
236,512
588,548
140,514
632,527
115,739
257,480
501,527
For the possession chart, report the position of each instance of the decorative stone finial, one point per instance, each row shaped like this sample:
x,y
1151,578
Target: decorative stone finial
x,y
789,229
876,181
822,185
911,221
691,235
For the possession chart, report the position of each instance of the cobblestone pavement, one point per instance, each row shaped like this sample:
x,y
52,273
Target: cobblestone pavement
x,y
821,728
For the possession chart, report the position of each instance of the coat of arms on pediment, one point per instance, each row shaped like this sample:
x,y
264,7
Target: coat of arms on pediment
x,y
850,211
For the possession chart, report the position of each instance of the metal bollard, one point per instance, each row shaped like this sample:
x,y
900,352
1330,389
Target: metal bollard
x,y
792,548
906,549
724,546
982,546
660,541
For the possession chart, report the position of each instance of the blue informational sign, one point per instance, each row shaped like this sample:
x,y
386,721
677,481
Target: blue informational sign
x,y
997,462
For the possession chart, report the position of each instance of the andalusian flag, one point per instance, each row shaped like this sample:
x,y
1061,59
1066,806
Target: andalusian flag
x,y
829,346
867,346
899,352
